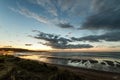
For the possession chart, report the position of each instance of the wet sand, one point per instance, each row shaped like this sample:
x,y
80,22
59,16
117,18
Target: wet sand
x,y
90,74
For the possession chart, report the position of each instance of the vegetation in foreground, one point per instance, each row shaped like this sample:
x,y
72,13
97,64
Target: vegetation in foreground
x,y
14,68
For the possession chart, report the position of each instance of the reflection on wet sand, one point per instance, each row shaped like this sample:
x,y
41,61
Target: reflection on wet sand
x,y
35,57
110,65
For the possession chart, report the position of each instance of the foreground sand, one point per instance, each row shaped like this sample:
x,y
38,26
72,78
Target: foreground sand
x,y
12,68
91,74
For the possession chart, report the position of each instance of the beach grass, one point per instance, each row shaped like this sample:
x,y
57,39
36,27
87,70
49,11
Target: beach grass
x,y
14,68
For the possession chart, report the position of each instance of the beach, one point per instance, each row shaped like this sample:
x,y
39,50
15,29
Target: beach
x,y
17,68
92,74
109,62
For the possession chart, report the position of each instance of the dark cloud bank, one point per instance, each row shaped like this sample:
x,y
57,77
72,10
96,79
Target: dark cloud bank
x,y
110,36
106,15
55,41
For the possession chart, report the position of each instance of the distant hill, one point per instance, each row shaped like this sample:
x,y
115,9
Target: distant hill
x,y
19,50
15,49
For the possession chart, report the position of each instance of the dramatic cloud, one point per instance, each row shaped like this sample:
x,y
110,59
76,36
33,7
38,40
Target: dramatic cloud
x,y
64,10
91,14
65,25
55,41
27,13
57,11
106,15
111,36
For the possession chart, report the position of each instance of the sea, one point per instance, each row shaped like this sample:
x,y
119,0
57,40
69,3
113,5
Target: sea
x,y
102,61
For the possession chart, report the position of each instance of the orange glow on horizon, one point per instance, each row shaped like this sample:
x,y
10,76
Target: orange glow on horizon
x,y
37,48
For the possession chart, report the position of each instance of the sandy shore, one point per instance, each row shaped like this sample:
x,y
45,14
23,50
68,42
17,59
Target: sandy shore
x,y
90,73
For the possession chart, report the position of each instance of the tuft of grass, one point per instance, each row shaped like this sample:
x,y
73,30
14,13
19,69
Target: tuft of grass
x,y
2,59
65,75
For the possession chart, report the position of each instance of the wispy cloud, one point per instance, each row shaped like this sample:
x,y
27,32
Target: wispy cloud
x,y
80,7
47,5
65,5
29,14
65,10
97,14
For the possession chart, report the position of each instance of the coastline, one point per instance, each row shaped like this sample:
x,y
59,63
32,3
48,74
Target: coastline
x,y
90,73
58,72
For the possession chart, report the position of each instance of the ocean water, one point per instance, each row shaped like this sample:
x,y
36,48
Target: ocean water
x,y
104,61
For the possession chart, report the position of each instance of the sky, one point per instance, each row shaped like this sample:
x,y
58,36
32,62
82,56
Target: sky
x,y
63,25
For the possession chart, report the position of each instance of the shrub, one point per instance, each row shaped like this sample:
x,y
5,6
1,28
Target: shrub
x,y
33,66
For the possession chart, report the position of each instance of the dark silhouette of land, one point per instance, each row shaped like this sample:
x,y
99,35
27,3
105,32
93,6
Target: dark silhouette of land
x,y
20,50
